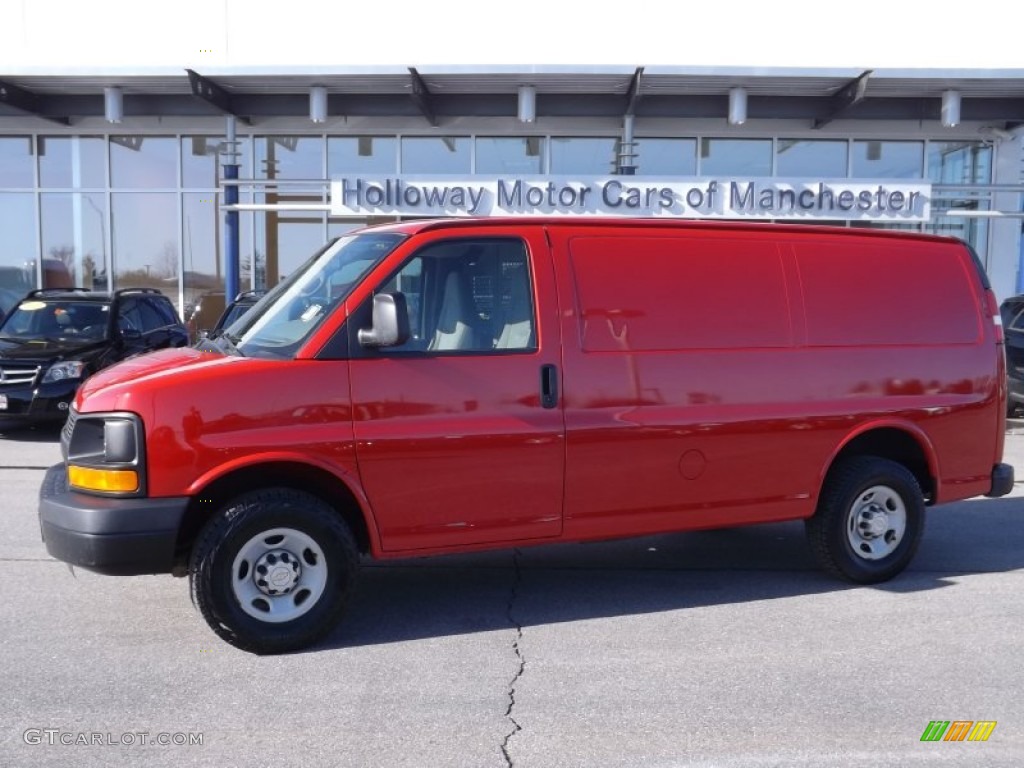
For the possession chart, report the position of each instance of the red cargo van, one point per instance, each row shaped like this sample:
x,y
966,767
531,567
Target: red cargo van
x,y
443,386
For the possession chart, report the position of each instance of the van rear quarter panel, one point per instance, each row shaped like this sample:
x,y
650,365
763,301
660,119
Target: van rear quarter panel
x,y
711,375
922,298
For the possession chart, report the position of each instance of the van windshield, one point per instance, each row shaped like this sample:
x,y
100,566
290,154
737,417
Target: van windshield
x,y
280,322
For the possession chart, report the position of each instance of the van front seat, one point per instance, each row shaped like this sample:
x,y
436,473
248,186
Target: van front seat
x,y
456,322
517,321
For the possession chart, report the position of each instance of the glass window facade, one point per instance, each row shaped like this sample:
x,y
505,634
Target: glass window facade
x,y
203,270
16,162
585,156
814,158
289,157
145,242
666,157
505,156
361,154
74,231
282,242
959,162
888,159
73,162
143,162
18,268
143,210
203,158
441,154
735,157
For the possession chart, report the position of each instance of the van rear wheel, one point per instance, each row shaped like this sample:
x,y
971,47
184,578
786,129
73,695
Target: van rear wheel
x,y
869,520
272,571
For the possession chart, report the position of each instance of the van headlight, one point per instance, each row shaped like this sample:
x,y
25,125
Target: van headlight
x,y
70,369
105,454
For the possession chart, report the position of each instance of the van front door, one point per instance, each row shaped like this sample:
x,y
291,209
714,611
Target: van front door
x,y
459,431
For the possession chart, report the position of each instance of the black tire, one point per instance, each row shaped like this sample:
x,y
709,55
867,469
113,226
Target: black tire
x,y
854,533
266,526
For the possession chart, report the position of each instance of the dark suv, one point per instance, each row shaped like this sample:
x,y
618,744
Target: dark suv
x,y
243,302
1012,311
55,338
209,316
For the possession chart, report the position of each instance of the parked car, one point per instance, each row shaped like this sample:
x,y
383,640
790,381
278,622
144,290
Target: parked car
x,y
8,298
209,315
505,382
1012,311
53,339
201,315
242,303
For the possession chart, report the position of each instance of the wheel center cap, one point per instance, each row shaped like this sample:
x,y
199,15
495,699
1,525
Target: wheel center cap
x,y
280,577
277,572
875,523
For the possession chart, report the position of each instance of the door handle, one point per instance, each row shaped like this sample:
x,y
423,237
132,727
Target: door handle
x,y
548,386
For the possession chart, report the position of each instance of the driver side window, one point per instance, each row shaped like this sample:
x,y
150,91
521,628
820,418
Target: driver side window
x,y
128,316
467,296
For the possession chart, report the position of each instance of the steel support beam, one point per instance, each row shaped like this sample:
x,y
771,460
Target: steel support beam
x,y
208,91
421,96
850,94
27,102
633,95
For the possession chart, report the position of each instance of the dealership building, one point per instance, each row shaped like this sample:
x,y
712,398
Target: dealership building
x,y
195,180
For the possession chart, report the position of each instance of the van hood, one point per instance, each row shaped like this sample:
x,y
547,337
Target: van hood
x,y
135,383
143,367
48,350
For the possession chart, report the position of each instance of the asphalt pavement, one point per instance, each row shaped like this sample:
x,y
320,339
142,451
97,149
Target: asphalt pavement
x,y
720,648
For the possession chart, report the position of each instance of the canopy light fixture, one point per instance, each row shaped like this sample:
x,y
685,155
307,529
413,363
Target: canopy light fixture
x,y
113,104
527,104
318,104
737,106
950,108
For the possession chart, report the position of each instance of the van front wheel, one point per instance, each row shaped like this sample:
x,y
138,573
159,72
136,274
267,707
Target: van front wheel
x,y
869,520
272,571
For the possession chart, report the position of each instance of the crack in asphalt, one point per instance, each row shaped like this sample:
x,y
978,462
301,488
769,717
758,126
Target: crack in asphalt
x,y
511,693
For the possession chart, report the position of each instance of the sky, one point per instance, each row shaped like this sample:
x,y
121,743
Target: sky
x,y
70,35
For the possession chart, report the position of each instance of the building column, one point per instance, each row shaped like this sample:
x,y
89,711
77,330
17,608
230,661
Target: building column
x,y
1005,253
231,242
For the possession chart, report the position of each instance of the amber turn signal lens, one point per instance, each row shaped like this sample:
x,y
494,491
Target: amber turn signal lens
x,y
109,480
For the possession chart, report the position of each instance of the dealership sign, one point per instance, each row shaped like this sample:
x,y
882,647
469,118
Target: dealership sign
x,y
698,198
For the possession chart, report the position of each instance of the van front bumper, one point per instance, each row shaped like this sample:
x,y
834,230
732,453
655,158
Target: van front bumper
x,y
1002,480
115,536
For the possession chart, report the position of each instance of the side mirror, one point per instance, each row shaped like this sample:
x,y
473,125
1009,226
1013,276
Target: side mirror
x,y
390,322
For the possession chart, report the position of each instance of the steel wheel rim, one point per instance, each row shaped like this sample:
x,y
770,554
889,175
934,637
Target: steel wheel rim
x,y
876,523
278,575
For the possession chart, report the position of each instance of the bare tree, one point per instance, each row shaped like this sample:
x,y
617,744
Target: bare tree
x,y
64,254
167,261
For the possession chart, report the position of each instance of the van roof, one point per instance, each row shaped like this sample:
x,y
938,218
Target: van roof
x,y
597,222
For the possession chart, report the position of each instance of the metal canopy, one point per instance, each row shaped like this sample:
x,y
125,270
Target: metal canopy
x,y
634,95
421,96
208,91
850,94
437,94
25,102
